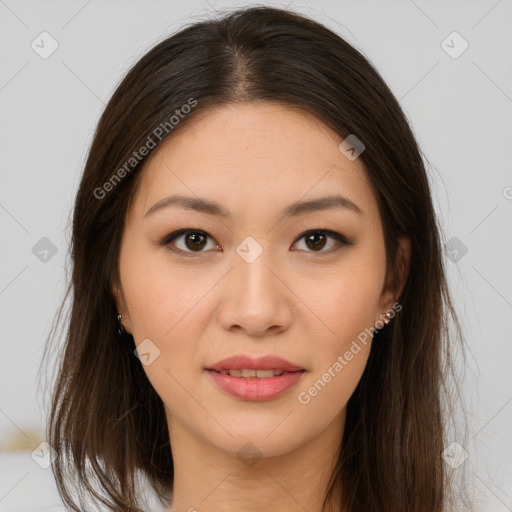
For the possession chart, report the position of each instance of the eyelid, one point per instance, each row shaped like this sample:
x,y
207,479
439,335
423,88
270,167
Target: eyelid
x,y
341,239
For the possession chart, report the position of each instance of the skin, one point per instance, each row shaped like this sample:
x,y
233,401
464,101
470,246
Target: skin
x,y
303,305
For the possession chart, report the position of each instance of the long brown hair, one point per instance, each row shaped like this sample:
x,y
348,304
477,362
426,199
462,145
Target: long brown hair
x,y
106,421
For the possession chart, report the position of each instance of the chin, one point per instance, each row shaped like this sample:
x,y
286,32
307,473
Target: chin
x,y
269,436
258,445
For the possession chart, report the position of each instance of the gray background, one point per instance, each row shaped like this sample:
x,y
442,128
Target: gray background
x,y
461,112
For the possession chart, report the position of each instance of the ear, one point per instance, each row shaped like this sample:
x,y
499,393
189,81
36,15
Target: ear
x,y
395,283
403,263
121,307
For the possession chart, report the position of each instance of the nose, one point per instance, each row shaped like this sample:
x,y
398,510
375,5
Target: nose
x,y
257,299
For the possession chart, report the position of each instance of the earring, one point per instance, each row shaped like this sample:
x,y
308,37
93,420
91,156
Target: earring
x,y
120,327
386,318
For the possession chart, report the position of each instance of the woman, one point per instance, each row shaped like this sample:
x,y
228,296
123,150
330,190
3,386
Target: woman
x,y
259,303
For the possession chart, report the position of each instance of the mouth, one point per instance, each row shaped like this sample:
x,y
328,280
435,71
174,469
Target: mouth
x,y
254,385
255,378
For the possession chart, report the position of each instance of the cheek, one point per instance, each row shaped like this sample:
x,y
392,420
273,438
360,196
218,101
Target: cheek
x,y
347,300
169,308
163,306
342,344
341,353
160,299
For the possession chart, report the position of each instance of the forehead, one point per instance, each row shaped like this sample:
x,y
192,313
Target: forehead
x,y
251,156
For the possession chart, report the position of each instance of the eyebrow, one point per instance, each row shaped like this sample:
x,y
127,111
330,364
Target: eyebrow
x,y
213,208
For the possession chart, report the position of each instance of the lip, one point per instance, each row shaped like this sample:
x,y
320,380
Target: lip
x,y
238,362
254,388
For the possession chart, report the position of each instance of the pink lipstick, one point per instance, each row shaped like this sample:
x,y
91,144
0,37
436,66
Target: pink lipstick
x,y
255,378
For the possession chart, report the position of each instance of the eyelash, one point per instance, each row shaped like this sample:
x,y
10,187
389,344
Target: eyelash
x,y
343,241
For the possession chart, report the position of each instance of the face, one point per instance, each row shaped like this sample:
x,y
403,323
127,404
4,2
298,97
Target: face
x,y
246,274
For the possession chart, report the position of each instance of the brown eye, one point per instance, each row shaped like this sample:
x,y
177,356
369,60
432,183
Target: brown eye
x,y
316,240
195,241
319,239
188,241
